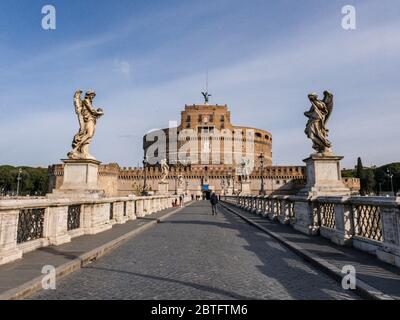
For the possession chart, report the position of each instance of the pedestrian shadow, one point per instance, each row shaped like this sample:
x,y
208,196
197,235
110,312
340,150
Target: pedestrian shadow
x,y
200,223
196,286
148,219
53,251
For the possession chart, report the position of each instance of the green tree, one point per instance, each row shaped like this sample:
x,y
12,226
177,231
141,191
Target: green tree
x,y
33,181
369,181
360,173
349,173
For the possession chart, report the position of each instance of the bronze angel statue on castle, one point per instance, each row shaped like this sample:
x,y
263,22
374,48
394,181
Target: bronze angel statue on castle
x,y
87,117
318,116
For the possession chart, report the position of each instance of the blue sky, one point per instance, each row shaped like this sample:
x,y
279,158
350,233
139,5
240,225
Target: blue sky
x,y
147,59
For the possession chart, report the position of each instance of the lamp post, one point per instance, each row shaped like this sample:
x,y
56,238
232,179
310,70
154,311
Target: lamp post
x,y
145,176
390,175
18,180
262,158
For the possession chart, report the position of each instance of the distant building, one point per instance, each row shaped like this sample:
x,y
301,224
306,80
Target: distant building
x,y
218,151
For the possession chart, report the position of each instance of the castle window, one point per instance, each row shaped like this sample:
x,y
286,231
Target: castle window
x,y
222,119
188,118
205,130
258,135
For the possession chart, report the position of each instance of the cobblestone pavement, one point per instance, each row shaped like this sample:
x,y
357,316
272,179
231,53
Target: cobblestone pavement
x,y
194,255
378,274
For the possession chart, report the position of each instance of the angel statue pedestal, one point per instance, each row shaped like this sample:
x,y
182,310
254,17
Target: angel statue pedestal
x,y
324,179
324,176
245,189
80,176
163,188
80,180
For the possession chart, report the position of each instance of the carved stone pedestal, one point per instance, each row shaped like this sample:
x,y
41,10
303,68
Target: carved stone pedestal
x,y
9,256
163,188
245,188
8,244
80,180
324,176
323,179
305,216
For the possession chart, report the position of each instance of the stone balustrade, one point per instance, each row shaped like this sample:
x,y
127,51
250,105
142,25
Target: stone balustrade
x,y
26,225
371,224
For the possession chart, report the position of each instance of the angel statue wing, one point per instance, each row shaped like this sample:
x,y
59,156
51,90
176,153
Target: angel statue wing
x,y
328,100
78,107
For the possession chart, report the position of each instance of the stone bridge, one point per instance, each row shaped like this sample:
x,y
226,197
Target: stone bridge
x,y
143,248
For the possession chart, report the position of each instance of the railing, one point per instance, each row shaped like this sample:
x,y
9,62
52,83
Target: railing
x,y
290,210
326,214
26,225
30,224
74,217
368,221
371,224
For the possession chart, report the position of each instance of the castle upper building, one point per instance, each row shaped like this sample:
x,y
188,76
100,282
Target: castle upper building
x,y
214,140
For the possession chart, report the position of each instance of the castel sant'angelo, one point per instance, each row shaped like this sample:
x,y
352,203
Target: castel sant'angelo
x,y
217,148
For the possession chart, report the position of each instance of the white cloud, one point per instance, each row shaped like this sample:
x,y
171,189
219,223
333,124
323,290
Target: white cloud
x,y
123,67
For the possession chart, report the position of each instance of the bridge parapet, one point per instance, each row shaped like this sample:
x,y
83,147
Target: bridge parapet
x,y
371,224
26,225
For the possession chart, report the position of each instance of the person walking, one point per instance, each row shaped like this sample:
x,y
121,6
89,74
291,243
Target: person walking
x,y
214,202
181,200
